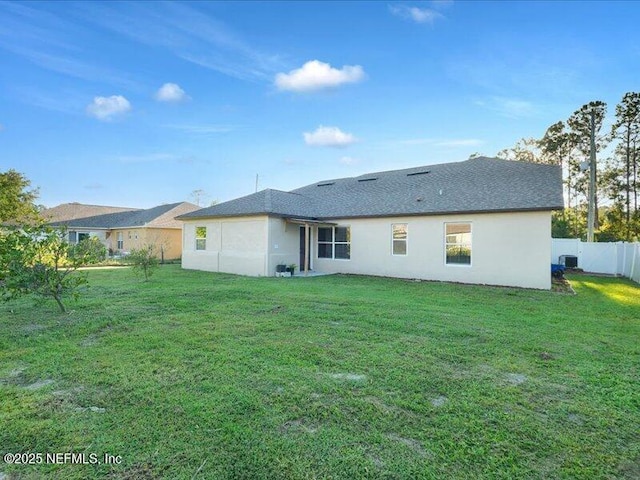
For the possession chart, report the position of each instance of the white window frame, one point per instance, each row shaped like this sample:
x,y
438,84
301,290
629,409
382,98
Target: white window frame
x,y
204,245
405,239
469,244
333,243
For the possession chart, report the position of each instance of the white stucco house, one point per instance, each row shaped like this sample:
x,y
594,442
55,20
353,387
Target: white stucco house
x,y
481,221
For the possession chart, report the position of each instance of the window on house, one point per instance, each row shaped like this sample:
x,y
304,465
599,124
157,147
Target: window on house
x,y
458,243
135,234
334,242
120,242
82,236
399,238
201,238
129,232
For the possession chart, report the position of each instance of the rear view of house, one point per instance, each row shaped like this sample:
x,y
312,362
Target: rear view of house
x,y
483,221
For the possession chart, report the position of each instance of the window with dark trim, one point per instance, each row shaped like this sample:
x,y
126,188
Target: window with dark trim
x,y
201,238
458,243
334,242
120,242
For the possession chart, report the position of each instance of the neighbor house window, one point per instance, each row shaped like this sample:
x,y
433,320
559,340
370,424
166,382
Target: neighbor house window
x,y
458,243
334,242
399,238
120,243
201,238
82,236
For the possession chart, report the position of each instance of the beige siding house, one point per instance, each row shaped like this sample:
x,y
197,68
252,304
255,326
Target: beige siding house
x,y
481,221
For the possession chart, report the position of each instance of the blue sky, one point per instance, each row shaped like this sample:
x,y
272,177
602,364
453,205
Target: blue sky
x,y
138,104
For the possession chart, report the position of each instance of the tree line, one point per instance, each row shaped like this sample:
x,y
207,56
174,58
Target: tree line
x,y
568,144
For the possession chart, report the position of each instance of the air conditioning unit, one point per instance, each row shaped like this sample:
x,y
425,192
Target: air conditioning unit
x,y
569,261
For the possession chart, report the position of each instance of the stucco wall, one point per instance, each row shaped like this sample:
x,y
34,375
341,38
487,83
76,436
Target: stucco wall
x,y
284,244
508,249
235,245
170,239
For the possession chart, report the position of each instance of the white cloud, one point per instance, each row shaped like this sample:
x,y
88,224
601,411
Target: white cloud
x,y
328,137
418,15
316,75
105,108
172,93
349,160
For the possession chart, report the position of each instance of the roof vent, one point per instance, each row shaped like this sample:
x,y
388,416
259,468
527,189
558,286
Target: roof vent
x,y
424,172
367,179
326,184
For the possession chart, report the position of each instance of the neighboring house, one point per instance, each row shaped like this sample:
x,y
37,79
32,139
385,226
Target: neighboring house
x,y
122,231
483,221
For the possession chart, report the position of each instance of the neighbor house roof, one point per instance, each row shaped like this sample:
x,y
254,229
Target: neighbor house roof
x,y
162,216
477,185
70,211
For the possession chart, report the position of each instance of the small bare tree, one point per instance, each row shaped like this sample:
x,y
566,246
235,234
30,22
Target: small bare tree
x,y
144,260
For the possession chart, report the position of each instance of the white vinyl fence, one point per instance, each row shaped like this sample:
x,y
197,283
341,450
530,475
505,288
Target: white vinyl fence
x,y
620,258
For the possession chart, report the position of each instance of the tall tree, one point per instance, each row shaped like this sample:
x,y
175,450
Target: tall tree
x,y
626,130
580,124
557,147
16,200
525,150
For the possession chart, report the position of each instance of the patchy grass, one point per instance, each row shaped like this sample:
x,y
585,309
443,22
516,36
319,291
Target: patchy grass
x,y
199,375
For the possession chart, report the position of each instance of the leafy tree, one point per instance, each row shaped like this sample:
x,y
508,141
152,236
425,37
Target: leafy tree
x,y
39,260
525,150
144,260
16,201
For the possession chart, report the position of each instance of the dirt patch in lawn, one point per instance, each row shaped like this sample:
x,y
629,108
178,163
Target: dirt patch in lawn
x,y
351,377
515,378
298,425
439,401
38,384
562,285
413,444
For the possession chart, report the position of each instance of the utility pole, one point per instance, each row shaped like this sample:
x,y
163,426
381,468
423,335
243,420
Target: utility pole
x,y
591,216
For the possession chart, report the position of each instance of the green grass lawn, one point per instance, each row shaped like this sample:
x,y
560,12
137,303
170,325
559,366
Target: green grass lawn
x,y
213,376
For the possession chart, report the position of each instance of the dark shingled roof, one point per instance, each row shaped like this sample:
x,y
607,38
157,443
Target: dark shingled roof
x,y
476,185
135,218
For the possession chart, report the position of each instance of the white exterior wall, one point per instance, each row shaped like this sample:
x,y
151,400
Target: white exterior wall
x,y
234,245
511,249
284,244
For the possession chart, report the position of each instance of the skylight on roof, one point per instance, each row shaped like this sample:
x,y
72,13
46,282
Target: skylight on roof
x,y
326,184
367,179
424,172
